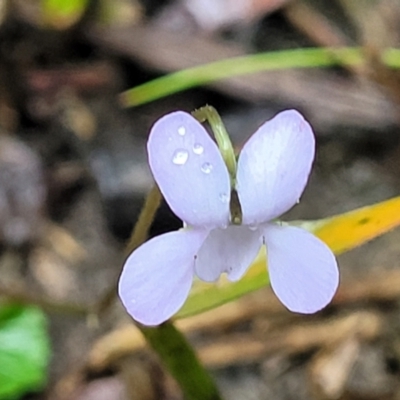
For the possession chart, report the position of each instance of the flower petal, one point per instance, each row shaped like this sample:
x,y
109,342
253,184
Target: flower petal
x,y
229,250
189,170
274,166
302,269
157,276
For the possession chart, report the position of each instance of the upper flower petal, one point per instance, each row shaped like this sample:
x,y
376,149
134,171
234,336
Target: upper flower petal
x,y
302,269
157,276
189,170
274,166
229,250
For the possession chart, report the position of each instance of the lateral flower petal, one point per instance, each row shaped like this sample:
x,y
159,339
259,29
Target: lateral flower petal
x,y
229,250
302,269
274,166
189,170
157,276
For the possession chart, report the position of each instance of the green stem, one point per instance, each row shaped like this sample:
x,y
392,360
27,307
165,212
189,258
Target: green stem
x,y
275,60
171,346
210,114
181,361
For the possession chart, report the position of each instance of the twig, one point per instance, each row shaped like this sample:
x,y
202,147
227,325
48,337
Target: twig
x,y
19,295
373,289
141,230
139,235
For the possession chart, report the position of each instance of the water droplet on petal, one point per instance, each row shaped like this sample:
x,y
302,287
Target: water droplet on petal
x,y
224,197
298,201
180,157
206,168
252,227
198,148
182,130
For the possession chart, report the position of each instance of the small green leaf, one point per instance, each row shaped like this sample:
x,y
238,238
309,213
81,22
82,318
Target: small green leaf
x,y
61,14
24,350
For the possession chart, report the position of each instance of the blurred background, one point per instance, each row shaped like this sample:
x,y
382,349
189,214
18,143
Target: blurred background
x,y
74,175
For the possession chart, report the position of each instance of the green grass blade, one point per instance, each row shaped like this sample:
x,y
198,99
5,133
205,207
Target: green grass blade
x,y
270,61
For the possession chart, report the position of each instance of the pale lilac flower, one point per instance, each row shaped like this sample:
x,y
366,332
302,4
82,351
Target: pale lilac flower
x,y
273,169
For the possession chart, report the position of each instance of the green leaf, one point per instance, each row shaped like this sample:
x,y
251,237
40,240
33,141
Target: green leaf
x,y
269,61
61,14
24,350
341,233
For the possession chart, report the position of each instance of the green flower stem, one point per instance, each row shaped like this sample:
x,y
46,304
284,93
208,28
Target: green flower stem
x,y
210,114
181,361
171,346
270,61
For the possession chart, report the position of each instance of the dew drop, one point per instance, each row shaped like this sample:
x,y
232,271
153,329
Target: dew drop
x,y
206,168
223,197
198,148
182,131
180,157
253,227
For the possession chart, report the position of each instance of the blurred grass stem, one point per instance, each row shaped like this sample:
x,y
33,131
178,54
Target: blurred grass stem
x,y
270,61
138,236
141,230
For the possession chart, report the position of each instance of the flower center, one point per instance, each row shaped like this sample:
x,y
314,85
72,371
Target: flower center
x,y
235,208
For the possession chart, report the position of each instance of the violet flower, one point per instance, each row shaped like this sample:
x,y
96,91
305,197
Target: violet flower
x,y
272,171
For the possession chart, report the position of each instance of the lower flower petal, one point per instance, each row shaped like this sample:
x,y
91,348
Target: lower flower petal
x,y
302,269
157,276
229,250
